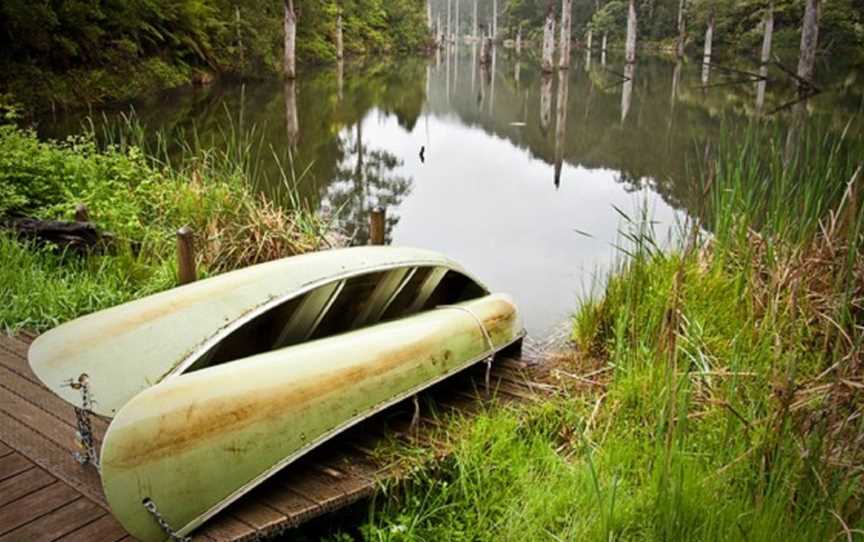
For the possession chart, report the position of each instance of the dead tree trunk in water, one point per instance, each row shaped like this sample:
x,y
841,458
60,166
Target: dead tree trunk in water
x,y
809,41
566,16
631,32
290,24
768,31
292,120
682,28
561,124
548,62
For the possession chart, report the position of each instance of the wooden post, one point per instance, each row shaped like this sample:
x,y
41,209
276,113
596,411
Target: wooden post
x,y
377,219
82,214
186,272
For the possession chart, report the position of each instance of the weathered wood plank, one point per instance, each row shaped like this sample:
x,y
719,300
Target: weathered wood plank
x,y
23,484
258,515
104,529
61,434
228,529
297,509
42,397
35,505
13,464
4,450
59,522
54,459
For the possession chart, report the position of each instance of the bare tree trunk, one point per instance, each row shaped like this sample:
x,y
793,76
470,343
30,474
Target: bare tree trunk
x,y
768,32
458,8
339,46
494,19
484,51
590,39
566,17
809,40
682,28
475,19
631,32
492,73
709,37
519,40
760,88
440,38
429,14
290,23
449,32
603,50
548,62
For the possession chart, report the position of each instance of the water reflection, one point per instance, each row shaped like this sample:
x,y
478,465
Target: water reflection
x,y
483,195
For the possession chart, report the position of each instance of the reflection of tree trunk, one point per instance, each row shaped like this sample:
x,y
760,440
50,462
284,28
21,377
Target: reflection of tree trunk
x,y
549,40
561,124
566,15
447,71
587,60
456,28
809,40
676,80
290,24
358,169
473,65
519,40
767,33
627,90
760,88
292,122
517,74
492,76
429,15
339,50
589,39
449,37
456,67
545,101
682,28
631,31
340,79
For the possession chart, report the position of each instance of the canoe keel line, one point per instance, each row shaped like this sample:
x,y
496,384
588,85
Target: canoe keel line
x,y
362,329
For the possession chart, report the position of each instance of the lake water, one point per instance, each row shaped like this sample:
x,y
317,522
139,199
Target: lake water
x,y
521,174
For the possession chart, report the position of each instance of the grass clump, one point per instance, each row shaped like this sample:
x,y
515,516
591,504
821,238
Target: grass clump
x,y
731,404
141,200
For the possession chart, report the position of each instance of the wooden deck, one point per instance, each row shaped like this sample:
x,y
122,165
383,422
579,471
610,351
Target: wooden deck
x,y
46,495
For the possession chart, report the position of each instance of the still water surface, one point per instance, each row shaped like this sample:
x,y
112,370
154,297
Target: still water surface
x,y
521,174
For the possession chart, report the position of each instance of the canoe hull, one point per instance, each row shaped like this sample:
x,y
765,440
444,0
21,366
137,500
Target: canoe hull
x,y
198,442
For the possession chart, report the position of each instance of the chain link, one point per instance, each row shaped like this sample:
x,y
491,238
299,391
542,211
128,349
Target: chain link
x,y
84,435
173,535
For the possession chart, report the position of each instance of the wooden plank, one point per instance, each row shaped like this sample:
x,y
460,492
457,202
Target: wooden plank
x,y
104,529
23,484
61,434
35,505
227,528
52,458
45,399
13,464
296,508
59,522
14,346
255,513
4,450
329,493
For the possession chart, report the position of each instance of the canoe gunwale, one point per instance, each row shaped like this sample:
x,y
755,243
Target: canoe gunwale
x,y
224,332
246,488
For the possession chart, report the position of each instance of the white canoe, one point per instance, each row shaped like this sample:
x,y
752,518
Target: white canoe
x,y
197,442
128,348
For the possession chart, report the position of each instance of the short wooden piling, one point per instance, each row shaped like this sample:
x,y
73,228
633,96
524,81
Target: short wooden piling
x,y
186,271
377,219
82,213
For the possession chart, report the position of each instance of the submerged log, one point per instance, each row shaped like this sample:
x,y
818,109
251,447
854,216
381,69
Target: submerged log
x,y
75,236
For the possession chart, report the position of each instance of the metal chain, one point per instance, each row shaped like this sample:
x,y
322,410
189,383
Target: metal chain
x,y
84,435
173,535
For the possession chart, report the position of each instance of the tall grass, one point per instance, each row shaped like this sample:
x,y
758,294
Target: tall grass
x,y
732,404
142,190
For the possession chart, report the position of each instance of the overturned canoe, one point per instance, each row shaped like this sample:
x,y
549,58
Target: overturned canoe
x,y
198,442
128,348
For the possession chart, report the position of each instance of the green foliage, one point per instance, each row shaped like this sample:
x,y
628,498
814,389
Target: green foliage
x,y
69,53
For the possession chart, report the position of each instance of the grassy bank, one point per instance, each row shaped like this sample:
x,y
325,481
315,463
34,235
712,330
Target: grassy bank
x,y
141,200
725,380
